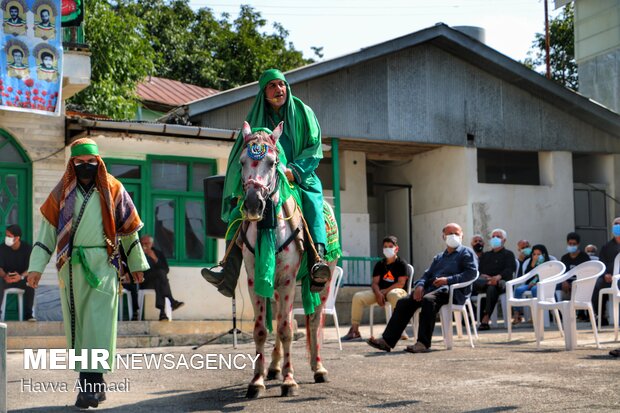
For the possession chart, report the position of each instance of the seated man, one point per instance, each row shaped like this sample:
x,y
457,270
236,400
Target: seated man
x,y
496,267
573,257
591,250
454,265
524,248
14,260
607,257
157,277
388,282
477,245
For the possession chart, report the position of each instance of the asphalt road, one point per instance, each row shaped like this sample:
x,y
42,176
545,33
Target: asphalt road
x,y
496,376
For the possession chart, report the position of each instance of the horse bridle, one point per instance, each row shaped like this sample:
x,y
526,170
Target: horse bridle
x,y
255,155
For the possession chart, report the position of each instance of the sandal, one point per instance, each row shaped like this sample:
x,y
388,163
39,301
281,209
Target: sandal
x,y
378,344
484,327
351,336
417,348
615,353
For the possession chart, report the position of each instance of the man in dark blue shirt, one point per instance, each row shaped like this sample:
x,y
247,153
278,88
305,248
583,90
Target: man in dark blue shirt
x,y
454,265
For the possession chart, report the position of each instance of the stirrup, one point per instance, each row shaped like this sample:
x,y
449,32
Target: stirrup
x,y
319,276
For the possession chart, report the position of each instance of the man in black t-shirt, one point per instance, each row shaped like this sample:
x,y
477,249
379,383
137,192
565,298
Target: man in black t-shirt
x,y
14,259
573,257
388,285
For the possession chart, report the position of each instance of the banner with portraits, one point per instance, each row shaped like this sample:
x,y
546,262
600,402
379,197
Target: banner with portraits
x,y
31,56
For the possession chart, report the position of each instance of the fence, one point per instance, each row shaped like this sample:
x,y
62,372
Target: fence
x,y
358,270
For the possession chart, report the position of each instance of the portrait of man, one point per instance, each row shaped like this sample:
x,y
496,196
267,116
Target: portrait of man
x,y
17,63
14,18
47,69
44,26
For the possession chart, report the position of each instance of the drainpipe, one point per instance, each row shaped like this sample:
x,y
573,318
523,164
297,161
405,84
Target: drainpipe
x,y
336,181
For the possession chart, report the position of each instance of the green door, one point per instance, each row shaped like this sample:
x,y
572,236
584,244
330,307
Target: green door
x,y
13,197
14,209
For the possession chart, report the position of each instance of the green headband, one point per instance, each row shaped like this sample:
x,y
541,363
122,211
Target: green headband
x,y
268,76
266,130
85,149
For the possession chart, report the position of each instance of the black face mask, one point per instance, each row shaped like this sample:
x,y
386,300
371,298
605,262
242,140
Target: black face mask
x,y
478,247
86,171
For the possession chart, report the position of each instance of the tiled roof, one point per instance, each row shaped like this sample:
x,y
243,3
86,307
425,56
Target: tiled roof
x,y
171,92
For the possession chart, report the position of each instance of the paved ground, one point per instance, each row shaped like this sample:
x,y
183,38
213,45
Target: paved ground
x,y
495,376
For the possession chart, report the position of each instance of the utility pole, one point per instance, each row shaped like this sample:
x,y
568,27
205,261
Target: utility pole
x,y
547,41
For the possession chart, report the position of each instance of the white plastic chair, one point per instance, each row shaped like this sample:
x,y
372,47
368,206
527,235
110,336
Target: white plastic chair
x,y
388,306
581,299
20,302
545,271
446,312
330,303
126,293
150,291
615,297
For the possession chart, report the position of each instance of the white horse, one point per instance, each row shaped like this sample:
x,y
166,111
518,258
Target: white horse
x,y
259,163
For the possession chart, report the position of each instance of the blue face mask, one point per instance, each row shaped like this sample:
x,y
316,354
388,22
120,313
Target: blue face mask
x,y
527,251
571,249
616,230
496,242
541,259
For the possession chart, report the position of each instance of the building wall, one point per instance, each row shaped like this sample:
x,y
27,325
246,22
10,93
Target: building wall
x,y
445,189
424,94
597,50
42,137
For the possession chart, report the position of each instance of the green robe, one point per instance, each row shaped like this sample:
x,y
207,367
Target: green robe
x,y
96,309
301,142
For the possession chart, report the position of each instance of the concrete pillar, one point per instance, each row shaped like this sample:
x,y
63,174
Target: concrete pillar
x,y
2,368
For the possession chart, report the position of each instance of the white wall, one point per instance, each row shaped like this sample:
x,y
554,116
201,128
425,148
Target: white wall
x,y
542,214
355,226
446,189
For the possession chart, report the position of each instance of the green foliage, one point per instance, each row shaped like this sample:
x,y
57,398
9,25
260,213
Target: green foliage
x,y
166,38
121,57
561,50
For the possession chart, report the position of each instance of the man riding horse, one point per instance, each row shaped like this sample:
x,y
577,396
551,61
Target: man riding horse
x,y
301,142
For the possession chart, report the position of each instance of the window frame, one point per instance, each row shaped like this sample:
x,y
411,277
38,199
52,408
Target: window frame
x,y
148,195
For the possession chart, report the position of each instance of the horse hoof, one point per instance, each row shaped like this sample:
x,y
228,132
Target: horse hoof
x,y
273,374
321,378
289,391
254,392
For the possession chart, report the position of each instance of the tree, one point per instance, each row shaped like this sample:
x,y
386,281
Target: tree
x,y
121,56
167,38
561,49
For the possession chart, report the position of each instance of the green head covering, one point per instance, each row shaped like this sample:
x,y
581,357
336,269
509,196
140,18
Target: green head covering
x,y
269,75
84,149
266,130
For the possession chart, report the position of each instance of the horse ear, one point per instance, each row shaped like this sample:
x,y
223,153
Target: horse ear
x,y
277,132
246,131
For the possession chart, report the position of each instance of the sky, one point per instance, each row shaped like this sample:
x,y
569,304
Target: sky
x,y
345,26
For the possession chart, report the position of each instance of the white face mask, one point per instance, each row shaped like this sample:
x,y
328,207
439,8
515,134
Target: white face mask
x,y
453,241
9,241
389,252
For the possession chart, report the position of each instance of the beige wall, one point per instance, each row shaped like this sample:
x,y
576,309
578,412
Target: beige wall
x,y
446,189
542,214
40,136
355,223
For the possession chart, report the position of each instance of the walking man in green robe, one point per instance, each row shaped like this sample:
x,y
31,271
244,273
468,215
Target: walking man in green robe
x,y
301,142
85,218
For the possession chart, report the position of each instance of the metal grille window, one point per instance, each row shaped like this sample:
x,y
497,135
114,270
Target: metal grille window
x,y
508,167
